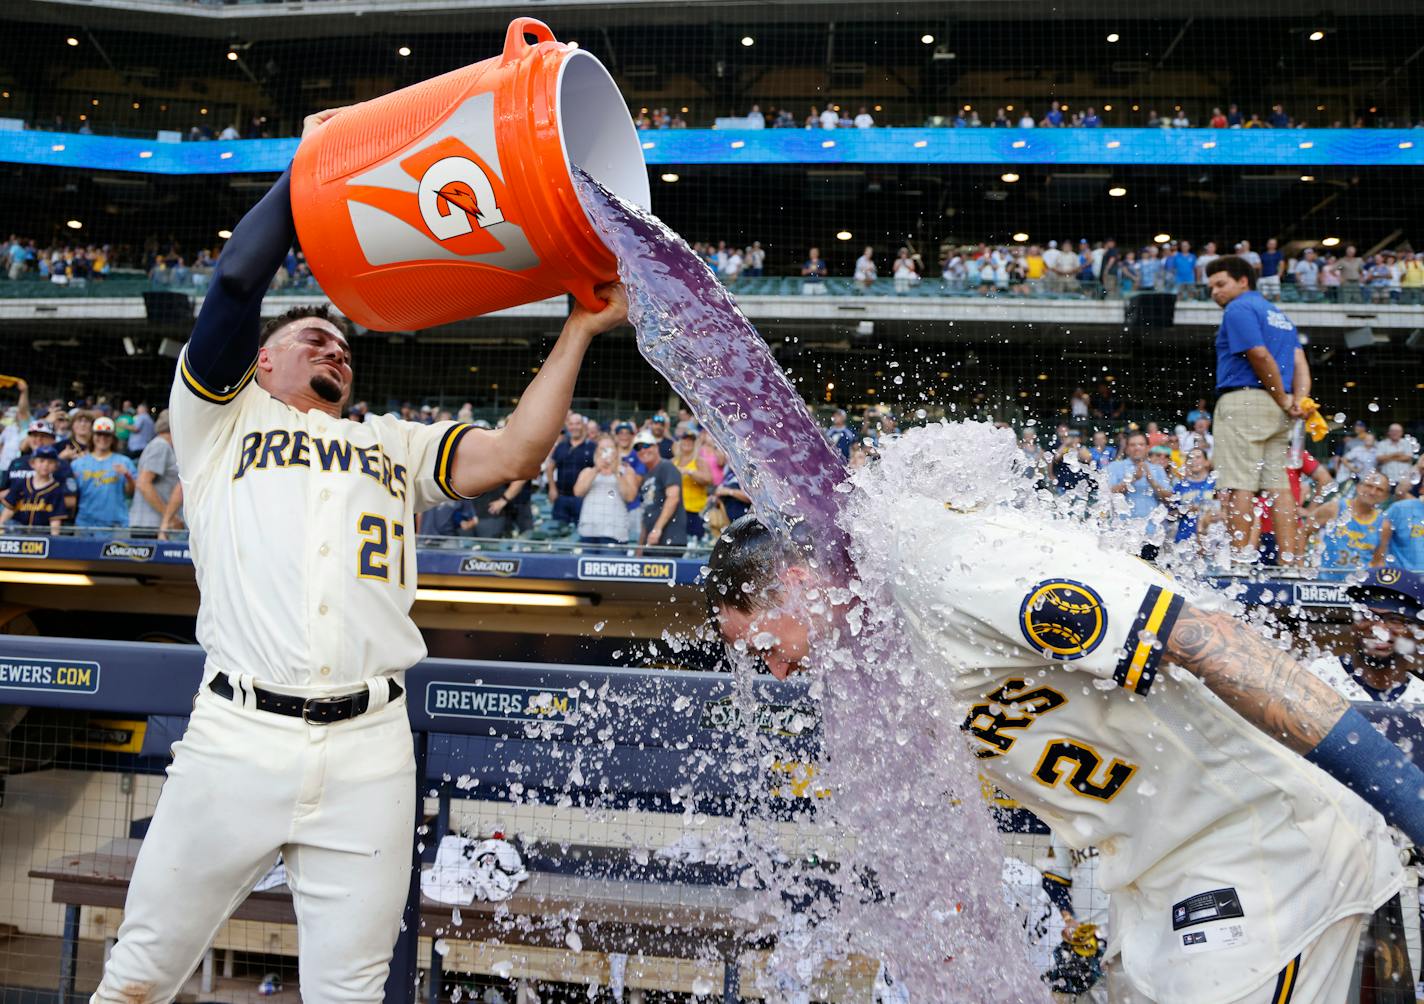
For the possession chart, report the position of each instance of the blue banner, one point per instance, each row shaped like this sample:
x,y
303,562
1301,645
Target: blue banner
x,y
1280,148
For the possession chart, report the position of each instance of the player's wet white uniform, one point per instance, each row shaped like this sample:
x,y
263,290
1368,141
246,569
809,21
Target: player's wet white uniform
x,y
304,548
1237,870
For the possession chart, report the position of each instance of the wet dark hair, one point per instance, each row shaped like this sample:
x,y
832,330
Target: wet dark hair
x,y
744,566
1234,266
321,311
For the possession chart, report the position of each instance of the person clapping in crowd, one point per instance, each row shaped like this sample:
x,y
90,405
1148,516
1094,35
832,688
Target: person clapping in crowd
x,y
606,489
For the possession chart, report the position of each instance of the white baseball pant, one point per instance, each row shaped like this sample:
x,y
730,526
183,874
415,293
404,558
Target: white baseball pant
x,y
1319,975
336,800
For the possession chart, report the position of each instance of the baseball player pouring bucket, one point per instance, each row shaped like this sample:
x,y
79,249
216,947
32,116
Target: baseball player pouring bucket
x,y
303,545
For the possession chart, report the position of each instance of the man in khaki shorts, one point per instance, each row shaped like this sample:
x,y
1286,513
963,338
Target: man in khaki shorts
x,y
1261,374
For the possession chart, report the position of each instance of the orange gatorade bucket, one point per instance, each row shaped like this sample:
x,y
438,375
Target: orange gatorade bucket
x,y
454,197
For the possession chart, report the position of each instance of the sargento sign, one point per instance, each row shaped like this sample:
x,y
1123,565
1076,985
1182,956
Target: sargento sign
x,y
628,569
776,719
504,567
24,547
52,675
128,551
509,704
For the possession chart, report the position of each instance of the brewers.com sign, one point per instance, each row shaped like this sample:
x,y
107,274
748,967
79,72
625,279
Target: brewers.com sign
x,y
509,704
628,569
53,675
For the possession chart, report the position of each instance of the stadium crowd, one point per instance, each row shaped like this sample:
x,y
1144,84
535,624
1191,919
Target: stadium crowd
x,y
1057,115
664,481
1100,269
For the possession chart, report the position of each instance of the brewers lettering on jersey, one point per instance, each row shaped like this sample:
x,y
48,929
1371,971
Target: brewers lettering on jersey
x,y
303,545
1202,764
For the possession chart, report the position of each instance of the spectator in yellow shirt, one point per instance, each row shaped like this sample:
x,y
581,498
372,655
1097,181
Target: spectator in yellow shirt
x,y
696,480
1034,267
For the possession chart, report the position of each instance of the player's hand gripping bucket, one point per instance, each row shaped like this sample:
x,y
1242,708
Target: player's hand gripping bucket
x,y
453,197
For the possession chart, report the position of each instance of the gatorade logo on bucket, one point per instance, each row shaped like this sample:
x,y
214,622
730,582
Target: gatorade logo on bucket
x,y
454,191
441,199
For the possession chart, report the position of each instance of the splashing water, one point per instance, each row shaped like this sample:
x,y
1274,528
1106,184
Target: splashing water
x,y
917,876
693,333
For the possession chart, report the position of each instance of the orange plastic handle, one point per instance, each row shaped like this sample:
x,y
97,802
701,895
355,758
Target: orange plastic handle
x,y
514,44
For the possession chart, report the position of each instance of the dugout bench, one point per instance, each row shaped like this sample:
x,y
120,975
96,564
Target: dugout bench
x,y
644,739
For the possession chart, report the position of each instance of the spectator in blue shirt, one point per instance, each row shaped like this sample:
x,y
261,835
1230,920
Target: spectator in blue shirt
x,y
105,480
1149,268
38,503
1182,268
1272,262
1278,119
1143,487
1193,494
1091,120
1102,452
1402,540
1261,374
813,269
840,434
733,496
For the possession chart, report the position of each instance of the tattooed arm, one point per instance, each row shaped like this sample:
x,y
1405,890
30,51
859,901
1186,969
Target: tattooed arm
x,y
1263,684
1290,704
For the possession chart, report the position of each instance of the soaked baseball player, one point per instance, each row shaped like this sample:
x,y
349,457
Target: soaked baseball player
x,y
1212,771
303,544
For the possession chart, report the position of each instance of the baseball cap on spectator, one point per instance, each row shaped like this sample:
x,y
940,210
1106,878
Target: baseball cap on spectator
x,y
103,425
691,430
1390,589
624,427
45,453
1160,448
645,438
659,418
41,427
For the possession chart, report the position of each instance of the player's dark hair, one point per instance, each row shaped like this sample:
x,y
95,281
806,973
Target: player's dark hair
x,y
743,569
321,311
1234,266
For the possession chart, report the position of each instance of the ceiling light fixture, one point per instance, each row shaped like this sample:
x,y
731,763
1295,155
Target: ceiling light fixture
x,y
511,597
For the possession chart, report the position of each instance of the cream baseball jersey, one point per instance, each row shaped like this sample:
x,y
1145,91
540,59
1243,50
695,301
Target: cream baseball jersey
x,y
332,503
1225,854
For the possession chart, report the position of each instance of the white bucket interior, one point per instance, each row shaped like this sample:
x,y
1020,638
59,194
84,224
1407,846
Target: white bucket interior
x,y
597,131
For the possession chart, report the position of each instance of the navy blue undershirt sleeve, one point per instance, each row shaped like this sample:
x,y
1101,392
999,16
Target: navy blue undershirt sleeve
x,y
222,353
1374,768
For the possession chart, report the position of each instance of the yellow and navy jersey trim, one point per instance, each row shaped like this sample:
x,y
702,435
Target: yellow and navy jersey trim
x,y
445,461
206,393
1286,981
1148,639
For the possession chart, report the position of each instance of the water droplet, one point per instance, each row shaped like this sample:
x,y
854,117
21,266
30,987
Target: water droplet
x,y
574,942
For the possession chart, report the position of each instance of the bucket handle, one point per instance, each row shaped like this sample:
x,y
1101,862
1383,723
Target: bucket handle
x,y
514,44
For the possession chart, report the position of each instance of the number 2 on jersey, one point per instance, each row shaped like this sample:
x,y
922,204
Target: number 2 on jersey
x,y
373,559
1085,762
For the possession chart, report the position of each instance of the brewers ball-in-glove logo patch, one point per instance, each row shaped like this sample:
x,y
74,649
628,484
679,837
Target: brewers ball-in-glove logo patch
x,y
1063,619
1387,576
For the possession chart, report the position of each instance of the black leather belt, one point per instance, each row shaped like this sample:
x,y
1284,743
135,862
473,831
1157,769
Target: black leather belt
x,y
312,710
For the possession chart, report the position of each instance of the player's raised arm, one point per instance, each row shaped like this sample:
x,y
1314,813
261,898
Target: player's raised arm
x,y
222,351
514,453
1269,688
